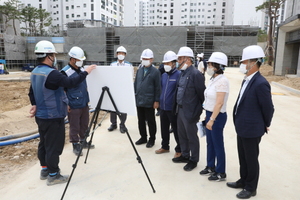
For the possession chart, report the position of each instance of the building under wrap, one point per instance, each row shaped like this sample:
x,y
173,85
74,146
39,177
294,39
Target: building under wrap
x,y
101,43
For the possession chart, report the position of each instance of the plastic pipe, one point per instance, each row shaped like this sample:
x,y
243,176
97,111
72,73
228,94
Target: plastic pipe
x,y
9,142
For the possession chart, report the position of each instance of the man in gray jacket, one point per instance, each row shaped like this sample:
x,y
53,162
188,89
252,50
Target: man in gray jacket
x,y
147,94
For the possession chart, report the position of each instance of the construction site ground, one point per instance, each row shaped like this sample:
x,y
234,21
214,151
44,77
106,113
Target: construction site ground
x,y
112,171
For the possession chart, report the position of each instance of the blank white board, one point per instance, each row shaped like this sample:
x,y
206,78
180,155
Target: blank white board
x,y
119,80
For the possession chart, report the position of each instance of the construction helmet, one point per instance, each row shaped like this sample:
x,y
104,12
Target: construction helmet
x,y
185,51
77,52
219,58
252,52
121,49
200,55
147,53
43,47
169,56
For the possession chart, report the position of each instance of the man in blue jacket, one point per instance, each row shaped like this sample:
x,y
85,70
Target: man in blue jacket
x,y
49,107
147,93
252,115
189,100
78,109
167,116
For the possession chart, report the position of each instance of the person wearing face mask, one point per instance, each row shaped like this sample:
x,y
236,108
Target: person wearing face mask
x,y
121,53
216,96
189,99
49,107
252,116
147,93
78,110
168,87
202,63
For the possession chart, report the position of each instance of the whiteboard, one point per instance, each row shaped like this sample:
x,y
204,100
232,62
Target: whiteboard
x,y
119,80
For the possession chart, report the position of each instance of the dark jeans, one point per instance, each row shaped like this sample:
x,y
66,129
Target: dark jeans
x,y
52,140
248,150
113,119
79,121
215,142
146,114
188,137
167,118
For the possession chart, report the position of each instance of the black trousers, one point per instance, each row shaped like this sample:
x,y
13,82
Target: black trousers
x,y
248,151
52,140
167,118
146,114
113,119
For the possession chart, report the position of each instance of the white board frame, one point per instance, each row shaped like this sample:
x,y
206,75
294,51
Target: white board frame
x,y
119,80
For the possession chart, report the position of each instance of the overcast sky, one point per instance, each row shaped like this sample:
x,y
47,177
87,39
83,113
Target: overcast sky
x,y
244,12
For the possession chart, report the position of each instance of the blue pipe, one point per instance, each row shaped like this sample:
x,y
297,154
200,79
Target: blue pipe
x,y
30,137
9,142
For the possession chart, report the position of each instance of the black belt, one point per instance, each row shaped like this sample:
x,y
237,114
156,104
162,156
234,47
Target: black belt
x,y
180,106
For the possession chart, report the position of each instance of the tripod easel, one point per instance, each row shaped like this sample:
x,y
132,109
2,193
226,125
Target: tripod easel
x,y
93,123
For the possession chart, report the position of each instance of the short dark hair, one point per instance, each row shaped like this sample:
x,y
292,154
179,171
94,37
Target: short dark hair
x,y
220,68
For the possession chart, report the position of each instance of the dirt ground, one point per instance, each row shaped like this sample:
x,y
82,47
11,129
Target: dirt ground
x,y
14,107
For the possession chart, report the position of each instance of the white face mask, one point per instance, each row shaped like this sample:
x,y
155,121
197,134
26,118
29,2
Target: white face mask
x,y
55,62
121,57
210,71
146,63
79,63
167,68
184,67
243,68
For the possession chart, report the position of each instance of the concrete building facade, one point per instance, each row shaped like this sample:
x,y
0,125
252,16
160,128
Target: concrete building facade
x,y
109,12
288,42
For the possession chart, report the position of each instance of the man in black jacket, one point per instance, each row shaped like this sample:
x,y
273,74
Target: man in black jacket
x,y
189,100
147,94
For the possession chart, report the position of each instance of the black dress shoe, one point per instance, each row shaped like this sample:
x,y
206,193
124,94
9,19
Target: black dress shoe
x,y
190,166
236,184
141,141
150,144
181,159
245,194
112,127
123,129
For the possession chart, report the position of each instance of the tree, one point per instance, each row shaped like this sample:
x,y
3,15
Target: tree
x,y
28,16
9,12
44,20
271,7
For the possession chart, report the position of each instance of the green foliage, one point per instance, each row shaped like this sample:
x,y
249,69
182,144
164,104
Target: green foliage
x,y
35,19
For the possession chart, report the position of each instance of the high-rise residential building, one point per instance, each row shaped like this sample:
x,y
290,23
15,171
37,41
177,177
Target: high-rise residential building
x,y
131,13
190,12
89,12
143,13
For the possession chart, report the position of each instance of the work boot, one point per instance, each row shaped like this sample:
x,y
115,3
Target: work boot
x,y
44,174
76,149
85,145
57,179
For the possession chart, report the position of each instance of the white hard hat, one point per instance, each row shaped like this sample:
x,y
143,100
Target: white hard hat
x,y
44,46
147,53
77,52
169,56
252,52
219,58
200,55
121,49
185,51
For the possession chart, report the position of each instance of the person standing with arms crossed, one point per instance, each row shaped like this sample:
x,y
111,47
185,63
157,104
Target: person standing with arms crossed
x,y
121,53
189,100
169,82
49,107
216,96
78,109
252,116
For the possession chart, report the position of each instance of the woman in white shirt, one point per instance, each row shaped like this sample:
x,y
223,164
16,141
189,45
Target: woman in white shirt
x,y
216,95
